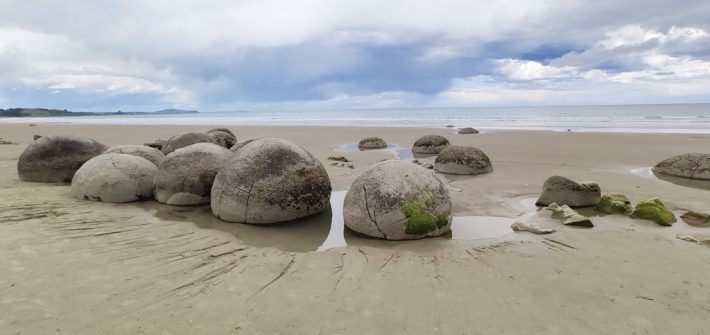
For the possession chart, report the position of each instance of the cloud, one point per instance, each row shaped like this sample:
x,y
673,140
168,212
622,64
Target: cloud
x,y
281,54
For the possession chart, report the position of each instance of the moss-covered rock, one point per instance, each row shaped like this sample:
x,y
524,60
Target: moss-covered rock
x,y
655,211
615,204
569,216
421,215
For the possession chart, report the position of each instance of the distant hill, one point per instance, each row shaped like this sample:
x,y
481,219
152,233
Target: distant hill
x,y
40,112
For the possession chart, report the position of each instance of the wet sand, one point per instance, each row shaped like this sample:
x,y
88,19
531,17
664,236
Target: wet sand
x,y
78,267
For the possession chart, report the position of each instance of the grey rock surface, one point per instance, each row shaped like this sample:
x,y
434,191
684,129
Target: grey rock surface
x,y
56,158
430,144
114,178
268,181
691,165
564,191
467,160
154,155
183,140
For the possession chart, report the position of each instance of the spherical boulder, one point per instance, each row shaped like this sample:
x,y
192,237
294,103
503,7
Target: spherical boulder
x,y
692,165
565,191
185,177
457,159
397,200
270,180
468,130
183,140
430,144
372,143
55,159
223,137
154,155
114,178
239,145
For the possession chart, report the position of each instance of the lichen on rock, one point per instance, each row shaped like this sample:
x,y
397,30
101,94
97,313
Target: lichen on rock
x,y
615,204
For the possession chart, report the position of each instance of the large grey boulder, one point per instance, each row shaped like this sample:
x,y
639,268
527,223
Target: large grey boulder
x,y
55,159
270,180
468,130
692,165
239,145
397,200
183,140
372,143
186,176
154,155
114,178
458,159
564,191
430,144
223,137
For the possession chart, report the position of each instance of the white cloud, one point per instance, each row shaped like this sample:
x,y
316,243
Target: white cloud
x,y
517,69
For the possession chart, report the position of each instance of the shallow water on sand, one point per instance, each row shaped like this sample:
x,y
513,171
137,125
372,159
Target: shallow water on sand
x,y
400,153
323,231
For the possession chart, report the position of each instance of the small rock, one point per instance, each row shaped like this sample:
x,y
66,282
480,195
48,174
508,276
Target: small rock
x,y
351,166
338,158
5,142
334,164
468,130
372,143
529,227
430,144
564,191
36,137
450,126
655,211
416,161
689,238
32,125
429,166
696,219
615,204
569,216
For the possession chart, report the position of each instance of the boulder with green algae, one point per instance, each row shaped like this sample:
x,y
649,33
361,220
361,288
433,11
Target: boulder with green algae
x,y
397,200
655,211
615,204
569,216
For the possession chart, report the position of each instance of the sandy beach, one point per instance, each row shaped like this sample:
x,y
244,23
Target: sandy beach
x,y
80,267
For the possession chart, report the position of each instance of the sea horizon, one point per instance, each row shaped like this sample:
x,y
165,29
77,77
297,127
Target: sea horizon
x,y
652,118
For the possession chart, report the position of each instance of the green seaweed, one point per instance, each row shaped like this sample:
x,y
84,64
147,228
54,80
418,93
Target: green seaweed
x,y
655,211
421,216
615,204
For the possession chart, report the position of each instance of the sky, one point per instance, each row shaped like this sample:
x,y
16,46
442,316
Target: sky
x,y
222,55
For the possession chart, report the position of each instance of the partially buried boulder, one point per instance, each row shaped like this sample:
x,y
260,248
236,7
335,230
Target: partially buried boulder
x,y
696,219
457,159
655,211
372,143
154,155
56,158
186,176
564,191
223,137
430,144
468,130
183,140
692,165
114,178
396,200
270,180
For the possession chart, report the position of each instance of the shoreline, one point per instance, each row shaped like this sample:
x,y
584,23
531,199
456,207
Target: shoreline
x,y
89,267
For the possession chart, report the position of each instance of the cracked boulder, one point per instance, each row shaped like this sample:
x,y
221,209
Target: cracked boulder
x,y
565,191
396,200
114,178
430,144
183,140
268,181
152,154
693,165
223,137
372,143
55,159
458,159
185,177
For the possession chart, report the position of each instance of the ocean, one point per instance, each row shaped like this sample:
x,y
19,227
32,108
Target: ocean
x,y
679,118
